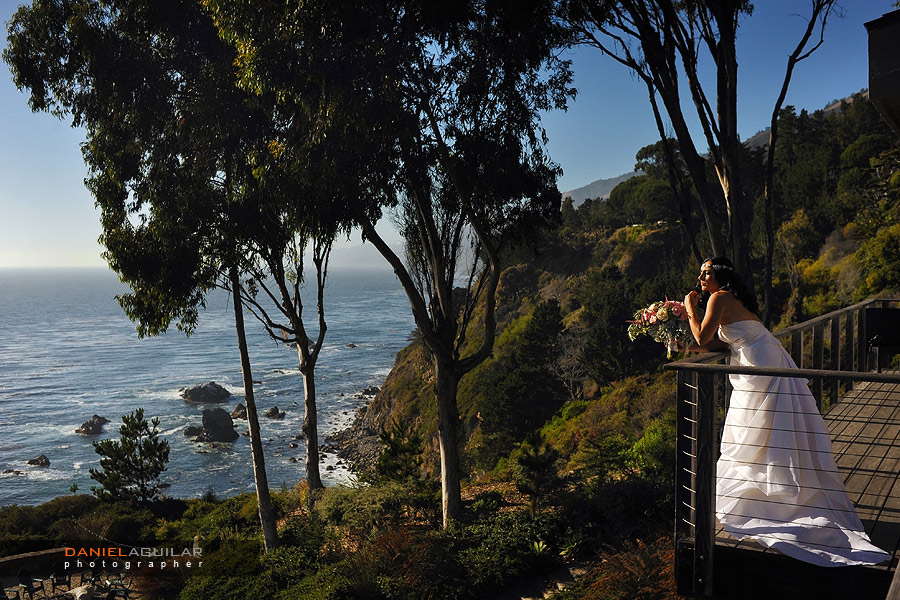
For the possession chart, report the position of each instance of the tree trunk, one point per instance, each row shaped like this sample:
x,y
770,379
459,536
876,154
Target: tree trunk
x,y
310,423
264,500
682,195
696,166
445,387
728,165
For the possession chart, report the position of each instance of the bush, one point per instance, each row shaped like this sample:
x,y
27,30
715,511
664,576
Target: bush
x,y
233,572
119,522
638,570
306,535
487,502
288,565
27,528
328,583
653,455
362,510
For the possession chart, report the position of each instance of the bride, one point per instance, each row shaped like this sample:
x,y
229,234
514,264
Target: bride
x,y
776,480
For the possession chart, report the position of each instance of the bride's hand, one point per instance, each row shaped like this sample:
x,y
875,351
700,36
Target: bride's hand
x,y
691,300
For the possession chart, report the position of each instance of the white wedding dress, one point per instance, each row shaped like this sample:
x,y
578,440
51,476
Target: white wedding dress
x,y
776,478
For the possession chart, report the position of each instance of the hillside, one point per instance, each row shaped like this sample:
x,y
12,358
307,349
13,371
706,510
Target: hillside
x,y
761,138
600,266
597,189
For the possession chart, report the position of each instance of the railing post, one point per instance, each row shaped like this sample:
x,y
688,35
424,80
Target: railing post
x,y
818,360
849,344
862,353
705,536
797,347
835,358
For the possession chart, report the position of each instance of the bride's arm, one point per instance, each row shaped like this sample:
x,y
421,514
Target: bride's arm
x,y
704,331
715,345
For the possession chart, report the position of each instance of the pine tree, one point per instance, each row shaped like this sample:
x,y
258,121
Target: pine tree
x,y
130,467
401,459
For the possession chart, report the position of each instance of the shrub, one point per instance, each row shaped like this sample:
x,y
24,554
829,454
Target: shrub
x,y
487,502
362,510
288,565
306,534
119,522
27,528
653,455
328,583
235,517
233,572
638,570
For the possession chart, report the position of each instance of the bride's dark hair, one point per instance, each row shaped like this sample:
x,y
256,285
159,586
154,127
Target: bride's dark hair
x,y
729,281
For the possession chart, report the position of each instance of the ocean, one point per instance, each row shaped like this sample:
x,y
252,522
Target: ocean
x,y
67,352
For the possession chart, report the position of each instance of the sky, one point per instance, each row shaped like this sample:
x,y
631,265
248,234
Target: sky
x,y
48,219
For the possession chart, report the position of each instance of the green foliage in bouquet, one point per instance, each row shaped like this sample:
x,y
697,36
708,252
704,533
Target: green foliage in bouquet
x,y
665,321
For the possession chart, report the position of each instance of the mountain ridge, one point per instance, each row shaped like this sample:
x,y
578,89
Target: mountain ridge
x,y
602,187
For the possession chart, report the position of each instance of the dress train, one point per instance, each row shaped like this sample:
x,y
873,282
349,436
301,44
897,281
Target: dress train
x,y
776,478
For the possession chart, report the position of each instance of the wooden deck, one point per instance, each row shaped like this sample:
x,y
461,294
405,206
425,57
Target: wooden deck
x,y
865,428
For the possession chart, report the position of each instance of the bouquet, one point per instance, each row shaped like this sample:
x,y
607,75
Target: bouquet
x,y
665,321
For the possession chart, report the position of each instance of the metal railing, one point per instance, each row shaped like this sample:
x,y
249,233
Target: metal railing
x,y
830,351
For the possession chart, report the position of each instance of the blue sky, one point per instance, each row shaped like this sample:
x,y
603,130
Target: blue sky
x,y
47,217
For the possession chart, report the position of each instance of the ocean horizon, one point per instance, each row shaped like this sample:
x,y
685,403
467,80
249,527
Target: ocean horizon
x,y
67,352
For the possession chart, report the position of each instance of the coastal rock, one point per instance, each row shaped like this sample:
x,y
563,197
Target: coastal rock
x,y
13,472
240,412
93,426
359,445
206,393
274,413
217,427
371,391
38,461
352,345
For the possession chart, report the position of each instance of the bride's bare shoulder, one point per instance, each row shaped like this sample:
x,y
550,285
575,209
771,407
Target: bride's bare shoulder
x,y
722,296
725,300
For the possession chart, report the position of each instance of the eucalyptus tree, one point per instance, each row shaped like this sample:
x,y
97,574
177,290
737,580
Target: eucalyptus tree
x,y
166,130
294,223
443,103
662,41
